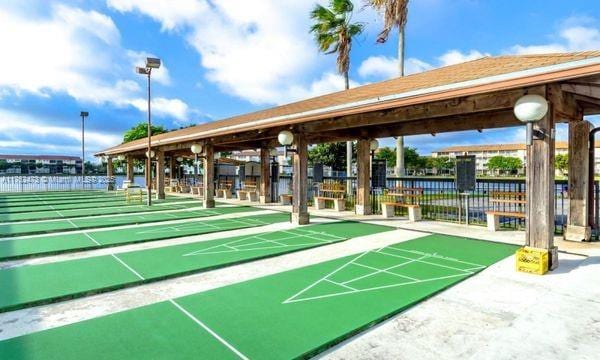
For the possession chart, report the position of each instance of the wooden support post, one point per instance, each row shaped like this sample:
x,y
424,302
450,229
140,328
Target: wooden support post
x,y
160,174
300,214
265,176
172,167
209,174
578,228
363,184
130,168
540,188
110,182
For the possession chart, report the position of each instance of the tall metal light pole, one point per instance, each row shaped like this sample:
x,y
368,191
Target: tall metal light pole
x,y
83,115
151,63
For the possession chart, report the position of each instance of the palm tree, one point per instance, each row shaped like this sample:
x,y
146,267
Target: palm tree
x,y
395,14
333,30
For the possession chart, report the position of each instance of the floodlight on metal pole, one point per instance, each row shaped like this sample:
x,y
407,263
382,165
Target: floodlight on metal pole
x,y
530,109
151,63
83,115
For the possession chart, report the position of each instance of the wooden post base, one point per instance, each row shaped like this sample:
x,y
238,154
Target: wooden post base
x,y
363,210
300,219
208,204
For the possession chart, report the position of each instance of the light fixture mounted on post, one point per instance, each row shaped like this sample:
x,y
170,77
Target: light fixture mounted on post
x,y
151,63
152,154
197,150
83,115
121,157
373,145
530,109
286,138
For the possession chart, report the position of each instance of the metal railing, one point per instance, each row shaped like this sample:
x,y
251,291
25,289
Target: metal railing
x,y
441,201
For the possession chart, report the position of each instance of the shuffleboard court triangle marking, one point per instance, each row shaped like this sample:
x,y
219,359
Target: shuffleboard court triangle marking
x,y
242,244
325,287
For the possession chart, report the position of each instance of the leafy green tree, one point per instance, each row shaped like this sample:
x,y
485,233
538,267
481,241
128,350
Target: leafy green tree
x,y
329,154
4,165
561,162
226,154
388,154
413,160
140,131
334,30
395,15
439,163
504,163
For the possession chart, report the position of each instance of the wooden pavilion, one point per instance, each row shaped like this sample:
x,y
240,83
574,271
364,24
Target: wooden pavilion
x,y
475,95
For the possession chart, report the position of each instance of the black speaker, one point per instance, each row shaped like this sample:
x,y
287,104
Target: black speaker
x,y
318,173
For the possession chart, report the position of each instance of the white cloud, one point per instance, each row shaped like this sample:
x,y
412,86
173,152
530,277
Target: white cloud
x,y
74,51
576,34
328,83
257,50
456,57
164,107
384,67
52,54
170,13
24,131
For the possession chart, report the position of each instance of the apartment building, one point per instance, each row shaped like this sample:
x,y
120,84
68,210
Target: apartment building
x,y
40,164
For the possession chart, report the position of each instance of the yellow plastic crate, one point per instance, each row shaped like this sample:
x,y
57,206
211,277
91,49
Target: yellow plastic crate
x,y
532,260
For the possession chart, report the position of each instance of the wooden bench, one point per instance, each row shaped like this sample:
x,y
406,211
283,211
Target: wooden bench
x,y
249,191
286,199
133,193
335,192
405,197
224,189
515,201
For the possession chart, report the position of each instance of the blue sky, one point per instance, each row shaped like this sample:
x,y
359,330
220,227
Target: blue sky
x,y
227,57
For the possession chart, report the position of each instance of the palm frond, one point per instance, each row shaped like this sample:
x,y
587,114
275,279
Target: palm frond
x,y
395,14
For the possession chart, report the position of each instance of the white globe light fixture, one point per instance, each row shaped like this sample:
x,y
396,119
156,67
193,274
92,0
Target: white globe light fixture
x,y
179,159
530,109
286,138
152,154
374,145
121,157
196,149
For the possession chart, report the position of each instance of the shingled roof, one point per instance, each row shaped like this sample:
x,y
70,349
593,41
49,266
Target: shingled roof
x,y
478,76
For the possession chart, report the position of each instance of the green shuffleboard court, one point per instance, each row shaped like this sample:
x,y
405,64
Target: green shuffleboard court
x,y
51,244
113,201
48,194
36,284
98,210
294,314
61,200
49,226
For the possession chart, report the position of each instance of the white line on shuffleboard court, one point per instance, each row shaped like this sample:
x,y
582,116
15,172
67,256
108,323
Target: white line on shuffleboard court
x,y
214,334
91,238
72,223
127,266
